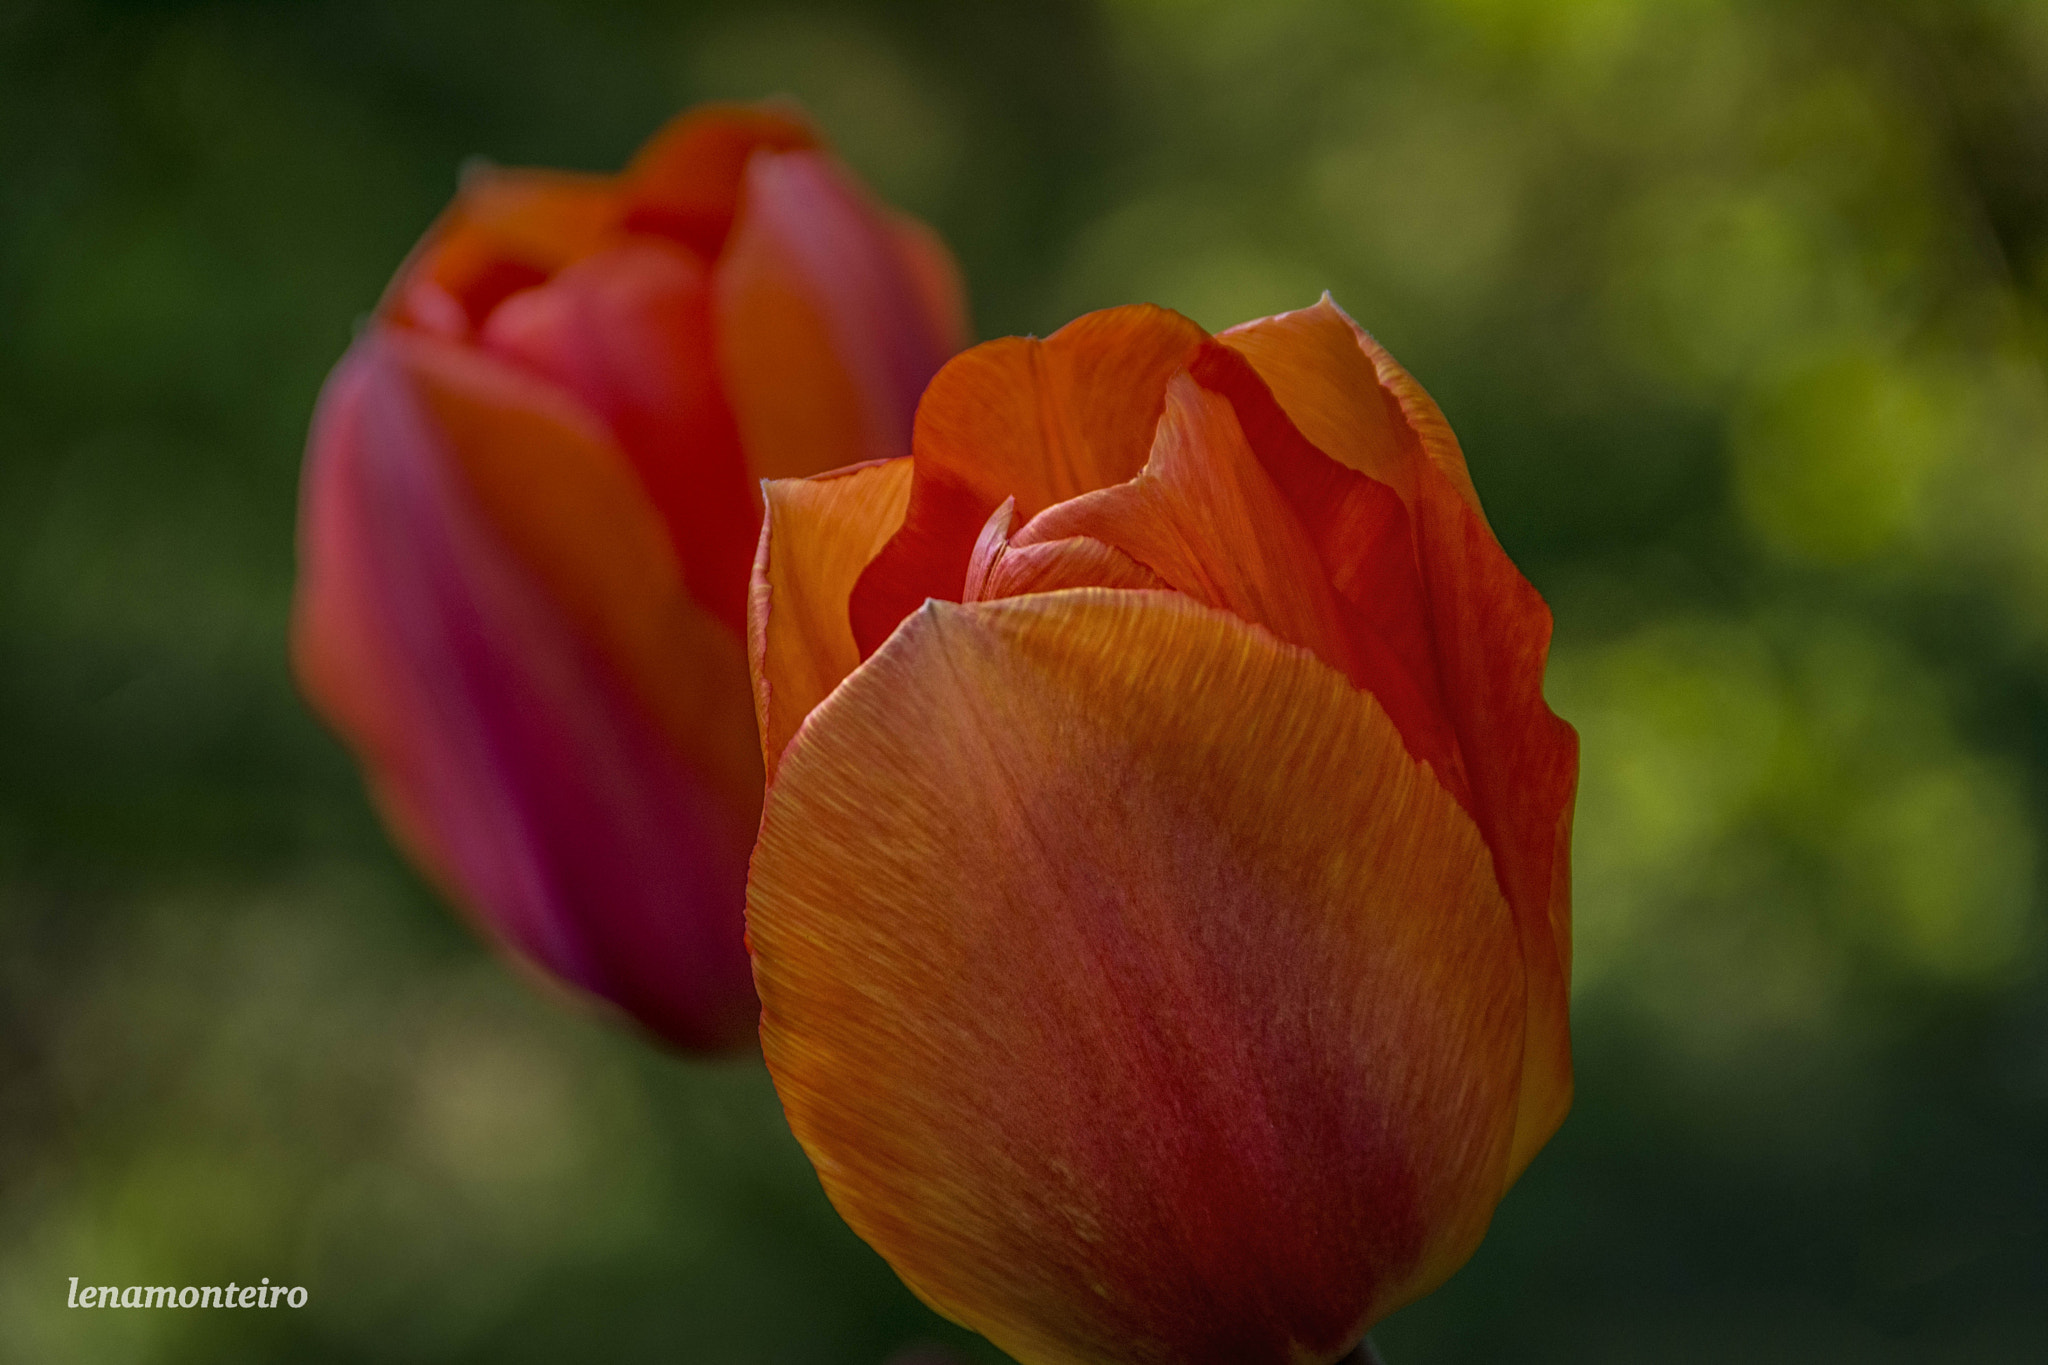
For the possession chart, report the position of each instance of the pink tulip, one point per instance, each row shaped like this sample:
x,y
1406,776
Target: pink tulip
x,y
529,514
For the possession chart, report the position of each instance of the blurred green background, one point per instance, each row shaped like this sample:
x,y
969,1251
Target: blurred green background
x,y
1738,308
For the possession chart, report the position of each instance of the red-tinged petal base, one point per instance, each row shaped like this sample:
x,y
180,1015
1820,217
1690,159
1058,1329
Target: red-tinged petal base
x,y
1131,987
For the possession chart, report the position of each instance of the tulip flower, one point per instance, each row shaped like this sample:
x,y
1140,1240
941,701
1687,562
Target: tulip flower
x,y
529,512
1161,906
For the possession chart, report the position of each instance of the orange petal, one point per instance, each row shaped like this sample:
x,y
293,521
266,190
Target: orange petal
x,y
1003,569
1044,421
824,338
1490,632
1041,421
685,183
817,536
1368,417
511,229
1131,988
628,331
506,231
1074,562
1364,539
569,506
1206,518
989,547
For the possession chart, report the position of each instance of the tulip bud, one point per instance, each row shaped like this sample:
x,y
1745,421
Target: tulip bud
x,y
529,510
1161,910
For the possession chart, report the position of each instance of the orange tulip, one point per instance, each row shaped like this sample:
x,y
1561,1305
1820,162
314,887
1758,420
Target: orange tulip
x,y
529,510
1161,908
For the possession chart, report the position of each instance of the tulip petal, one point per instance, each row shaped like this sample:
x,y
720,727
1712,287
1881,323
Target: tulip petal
x,y
1237,510
1206,518
1130,987
568,506
685,183
628,332
1001,568
501,744
825,338
1006,569
1491,635
1364,540
1071,562
1044,421
1041,421
511,229
1368,418
816,537
508,230
341,655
